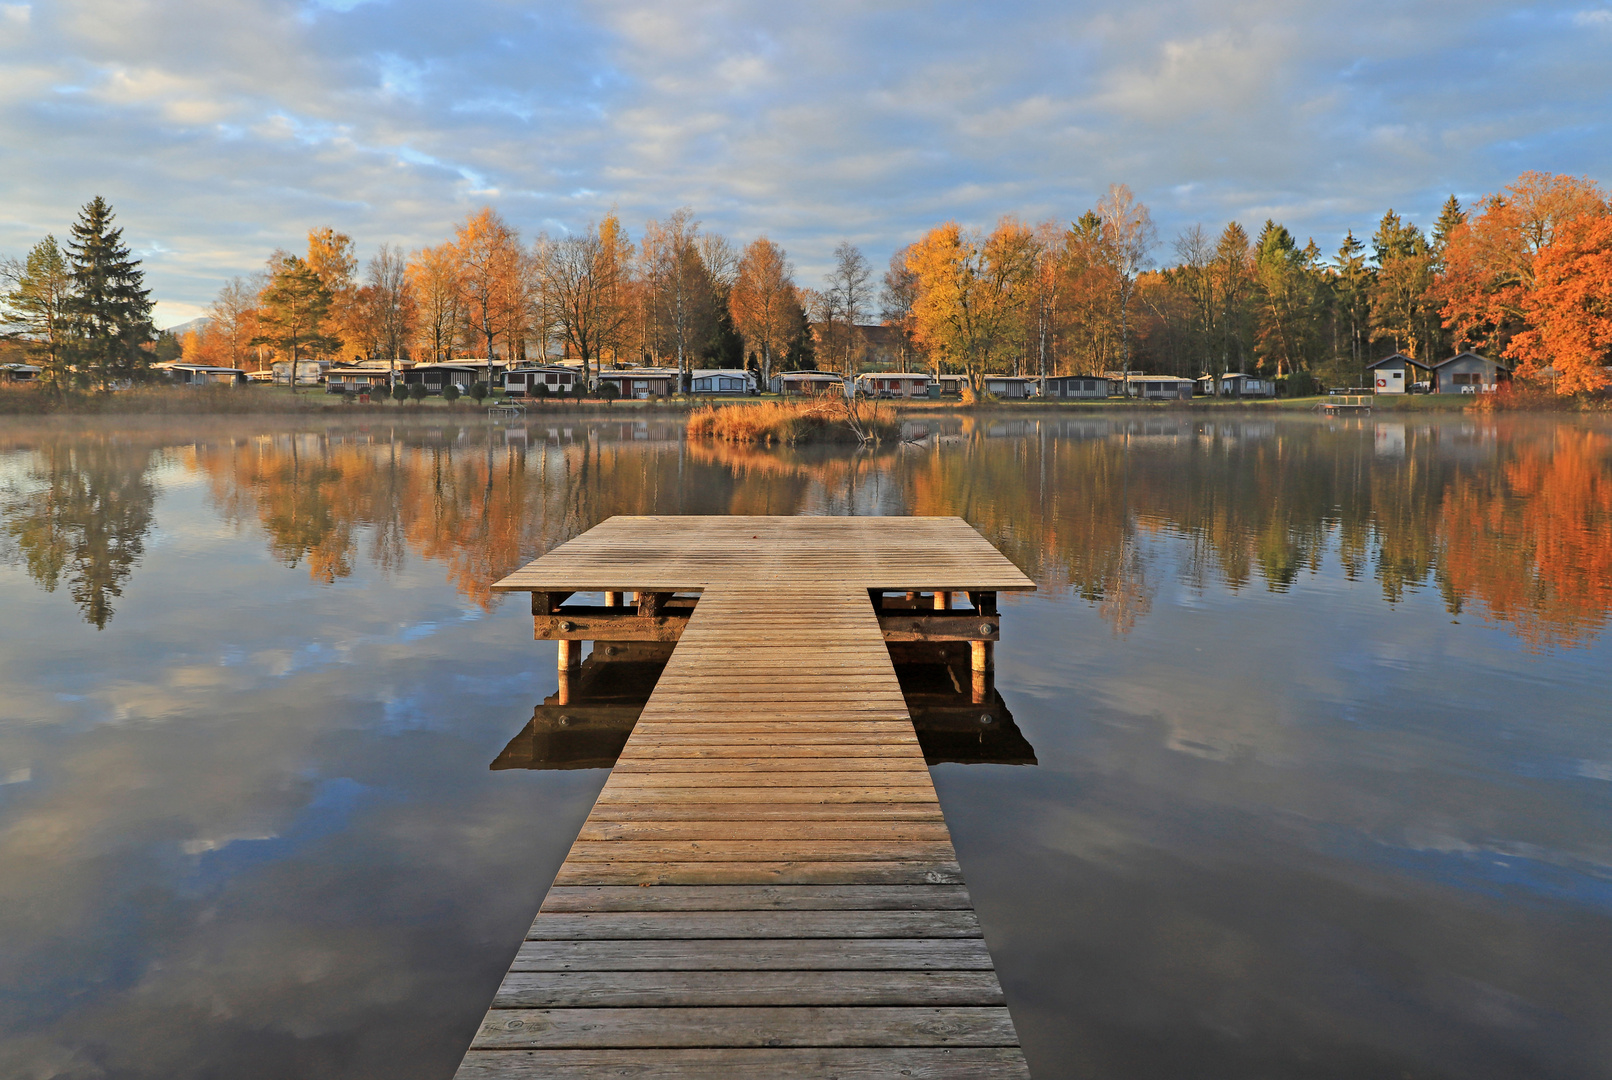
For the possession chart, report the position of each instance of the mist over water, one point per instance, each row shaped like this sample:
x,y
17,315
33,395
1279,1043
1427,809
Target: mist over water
x,y
1319,711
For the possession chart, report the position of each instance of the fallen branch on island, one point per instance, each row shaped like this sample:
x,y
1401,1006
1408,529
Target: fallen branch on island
x,y
770,423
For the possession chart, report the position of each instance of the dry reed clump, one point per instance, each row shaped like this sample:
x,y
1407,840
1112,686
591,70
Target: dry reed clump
x,y
1520,396
778,423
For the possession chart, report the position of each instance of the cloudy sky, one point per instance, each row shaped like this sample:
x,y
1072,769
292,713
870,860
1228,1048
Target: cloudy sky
x,y
221,129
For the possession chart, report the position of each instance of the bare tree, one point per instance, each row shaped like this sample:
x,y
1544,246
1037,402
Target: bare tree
x,y
676,283
896,298
850,291
581,273
1129,237
234,317
391,300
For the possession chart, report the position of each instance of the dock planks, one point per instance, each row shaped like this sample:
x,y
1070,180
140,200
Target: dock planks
x,y
766,885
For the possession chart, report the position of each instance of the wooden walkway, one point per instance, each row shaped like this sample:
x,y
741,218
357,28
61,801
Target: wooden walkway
x,y
766,885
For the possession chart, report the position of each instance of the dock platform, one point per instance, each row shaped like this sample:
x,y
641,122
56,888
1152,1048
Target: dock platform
x,y
766,885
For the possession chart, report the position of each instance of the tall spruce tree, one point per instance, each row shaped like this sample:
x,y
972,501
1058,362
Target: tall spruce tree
x,y
111,308
1449,219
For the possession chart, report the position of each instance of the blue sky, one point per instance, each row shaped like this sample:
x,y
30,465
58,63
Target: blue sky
x,y
221,129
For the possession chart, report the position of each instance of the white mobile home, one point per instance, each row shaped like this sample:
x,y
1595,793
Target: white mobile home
x,y
1087,387
893,384
353,379
1237,385
807,383
555,379
640,383
206,375
1159,387
728,381
438,377
1009,386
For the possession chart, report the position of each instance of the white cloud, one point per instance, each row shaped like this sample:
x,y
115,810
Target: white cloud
x,y
228,128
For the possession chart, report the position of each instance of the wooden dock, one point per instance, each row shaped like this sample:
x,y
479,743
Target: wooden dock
x,y
766,885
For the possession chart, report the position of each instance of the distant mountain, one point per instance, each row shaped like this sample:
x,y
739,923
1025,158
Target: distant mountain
x,y
186,327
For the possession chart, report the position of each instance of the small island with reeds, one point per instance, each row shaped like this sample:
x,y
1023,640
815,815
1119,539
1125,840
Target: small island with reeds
x,y
786,423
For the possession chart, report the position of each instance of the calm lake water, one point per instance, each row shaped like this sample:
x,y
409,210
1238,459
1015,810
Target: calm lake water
x,y
1320,711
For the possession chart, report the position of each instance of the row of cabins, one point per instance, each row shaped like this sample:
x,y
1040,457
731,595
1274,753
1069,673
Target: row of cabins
x,y
1463,373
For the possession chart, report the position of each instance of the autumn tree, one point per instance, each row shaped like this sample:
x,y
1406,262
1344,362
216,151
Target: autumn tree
x,y
37,309
1568,312
1488,263
764,304
1090,332
434,281
296,305
1129,237
109,309
489,257
971,293
331,256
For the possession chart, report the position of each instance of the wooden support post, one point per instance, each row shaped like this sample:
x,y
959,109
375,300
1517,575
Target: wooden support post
x,y
943,600
981,655
570,657
651,603
982,687
612,599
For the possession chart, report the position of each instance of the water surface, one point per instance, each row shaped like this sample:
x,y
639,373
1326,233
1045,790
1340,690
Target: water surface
x,y
1319,711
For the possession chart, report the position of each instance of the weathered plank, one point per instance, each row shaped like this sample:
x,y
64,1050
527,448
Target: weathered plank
x,y
953,1025
714,925
811,954
701,989
815,1063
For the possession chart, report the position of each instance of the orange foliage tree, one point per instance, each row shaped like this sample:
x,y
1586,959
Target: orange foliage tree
x,y
1569,310
1489,263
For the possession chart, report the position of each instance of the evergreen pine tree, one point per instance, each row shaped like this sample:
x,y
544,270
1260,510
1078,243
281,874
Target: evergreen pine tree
x,y
1449,219
110,309
36,310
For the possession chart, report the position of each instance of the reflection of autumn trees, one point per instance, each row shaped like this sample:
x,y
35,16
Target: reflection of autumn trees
x,y
1534,544
1508,521
82,517
1515,522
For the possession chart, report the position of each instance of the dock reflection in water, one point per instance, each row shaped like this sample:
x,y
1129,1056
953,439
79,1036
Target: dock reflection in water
x,y
586,722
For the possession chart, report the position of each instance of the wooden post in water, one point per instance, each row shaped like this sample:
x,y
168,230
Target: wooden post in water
x,y
943,600
612,599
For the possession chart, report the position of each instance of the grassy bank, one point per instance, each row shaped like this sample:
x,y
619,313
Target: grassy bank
x,y
783,423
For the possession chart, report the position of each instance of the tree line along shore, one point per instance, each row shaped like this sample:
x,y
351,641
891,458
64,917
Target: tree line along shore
x,y
1524,274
